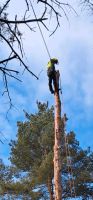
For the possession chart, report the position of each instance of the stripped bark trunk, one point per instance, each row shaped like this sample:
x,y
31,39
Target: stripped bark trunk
x,y
50,188
57,145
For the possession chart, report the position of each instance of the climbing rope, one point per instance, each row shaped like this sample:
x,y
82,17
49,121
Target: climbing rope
x,y
40,29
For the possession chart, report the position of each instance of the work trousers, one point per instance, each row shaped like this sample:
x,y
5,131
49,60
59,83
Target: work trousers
x,y
52,81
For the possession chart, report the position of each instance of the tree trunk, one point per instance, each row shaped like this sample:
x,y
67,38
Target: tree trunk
x,y
50,188
57,145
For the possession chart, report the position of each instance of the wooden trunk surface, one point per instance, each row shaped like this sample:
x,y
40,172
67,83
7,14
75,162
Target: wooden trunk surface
x,y
57,145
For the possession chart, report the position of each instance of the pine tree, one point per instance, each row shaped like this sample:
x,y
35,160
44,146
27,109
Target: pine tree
x,y
32,153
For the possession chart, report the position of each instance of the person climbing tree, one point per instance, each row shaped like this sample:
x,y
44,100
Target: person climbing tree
x,y
52,73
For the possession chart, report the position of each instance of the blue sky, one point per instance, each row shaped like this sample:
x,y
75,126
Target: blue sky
x,y
72,44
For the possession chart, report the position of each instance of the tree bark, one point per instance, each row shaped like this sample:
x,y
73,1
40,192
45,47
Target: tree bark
x,y
50,188
57,145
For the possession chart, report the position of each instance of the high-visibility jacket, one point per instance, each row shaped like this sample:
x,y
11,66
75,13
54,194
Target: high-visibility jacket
x,y
50,68
52,62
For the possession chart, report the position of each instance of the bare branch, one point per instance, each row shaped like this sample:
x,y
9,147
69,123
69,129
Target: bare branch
x,y
31,29
5,5
27,4
6,87
22,21
44,11
15,36
53,4
26,67
1,141
9,70
88,4
52,9
45,26
8,73
8,59
49,6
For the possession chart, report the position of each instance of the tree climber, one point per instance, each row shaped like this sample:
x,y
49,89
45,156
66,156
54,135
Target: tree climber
x,y
52,73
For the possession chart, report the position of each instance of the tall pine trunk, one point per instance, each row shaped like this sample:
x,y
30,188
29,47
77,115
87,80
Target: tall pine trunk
x,y
57,145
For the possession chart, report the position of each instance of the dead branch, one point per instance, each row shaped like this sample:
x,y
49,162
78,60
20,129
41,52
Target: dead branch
x,y
8,59
88,4
26,67
5,5
22,21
